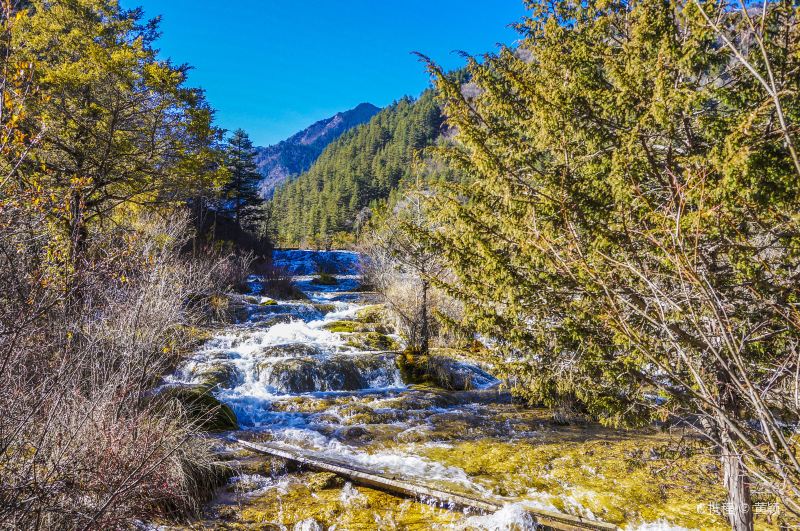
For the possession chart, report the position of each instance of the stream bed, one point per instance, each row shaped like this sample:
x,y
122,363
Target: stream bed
x,y
321,375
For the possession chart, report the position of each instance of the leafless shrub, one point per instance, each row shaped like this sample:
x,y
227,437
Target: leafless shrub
x,y
404,270
277,283
82,444
231,270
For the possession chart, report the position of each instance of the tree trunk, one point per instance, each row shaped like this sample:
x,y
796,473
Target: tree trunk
x,y
76,251
737,483
424,330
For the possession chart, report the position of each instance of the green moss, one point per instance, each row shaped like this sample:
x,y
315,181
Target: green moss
x,y
323,481
372,341
342,326
201,407
375,313
604,475
268,302
361,414
301,404
345,507
413,367
324,308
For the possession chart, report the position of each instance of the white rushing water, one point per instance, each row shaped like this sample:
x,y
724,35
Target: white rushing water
x,y
283,350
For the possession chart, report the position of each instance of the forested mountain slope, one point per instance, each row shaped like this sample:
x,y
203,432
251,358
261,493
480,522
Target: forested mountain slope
x,y
297,153
325,205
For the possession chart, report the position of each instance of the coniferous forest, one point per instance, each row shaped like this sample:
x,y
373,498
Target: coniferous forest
x,y
558,289
327,205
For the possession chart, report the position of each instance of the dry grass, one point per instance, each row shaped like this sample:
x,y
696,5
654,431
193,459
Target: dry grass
x,y
277,284
82,442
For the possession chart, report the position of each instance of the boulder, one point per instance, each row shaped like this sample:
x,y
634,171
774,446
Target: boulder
x,y
217,375
202,407
340,372
323,481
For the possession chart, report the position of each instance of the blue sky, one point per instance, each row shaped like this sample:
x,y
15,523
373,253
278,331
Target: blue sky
x,y
273,67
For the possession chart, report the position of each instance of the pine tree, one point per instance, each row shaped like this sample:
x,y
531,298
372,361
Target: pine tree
x,y
241,191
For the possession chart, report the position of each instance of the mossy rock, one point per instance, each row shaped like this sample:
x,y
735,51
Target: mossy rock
x,y
288,292
218,375
323,481
289,375
307,374
300,404
268,302
413,367
353,410
290,350
353,434
375,313
202,407
324,309
455,375
269,323
441,371
372,341
342,326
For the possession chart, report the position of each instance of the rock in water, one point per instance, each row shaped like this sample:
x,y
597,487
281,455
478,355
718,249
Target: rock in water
x,y
328,373
201,407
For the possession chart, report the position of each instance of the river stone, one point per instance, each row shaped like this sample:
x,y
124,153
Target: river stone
x,y
323,481
272,321
202,407
334,373
291,350
217,375
324,308
353,434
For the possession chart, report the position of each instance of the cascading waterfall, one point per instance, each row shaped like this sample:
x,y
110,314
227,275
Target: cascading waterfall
x,y
284,350
291,378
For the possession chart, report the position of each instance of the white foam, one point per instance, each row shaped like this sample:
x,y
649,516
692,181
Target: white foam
x,y
242,347
511,517
308,525
350,496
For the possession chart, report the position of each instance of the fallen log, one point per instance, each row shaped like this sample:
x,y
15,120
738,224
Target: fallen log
x,y
403,487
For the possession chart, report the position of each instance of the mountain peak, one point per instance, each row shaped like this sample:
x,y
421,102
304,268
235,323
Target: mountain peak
x,y
297,153
365,107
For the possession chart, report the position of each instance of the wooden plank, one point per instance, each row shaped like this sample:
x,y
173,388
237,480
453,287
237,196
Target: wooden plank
x,y
403,487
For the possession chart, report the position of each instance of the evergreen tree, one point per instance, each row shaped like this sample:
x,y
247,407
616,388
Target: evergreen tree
x,y
241,191
116,126
629,236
